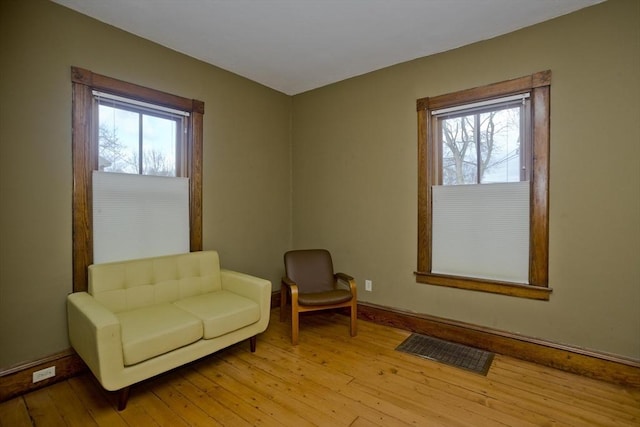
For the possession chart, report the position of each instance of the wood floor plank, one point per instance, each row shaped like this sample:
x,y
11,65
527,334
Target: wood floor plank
x,y
252,392
373,371
204,377
297,369
586,387
14,413
460,383
569,393
137,415
471,387
307,404
362,421
154,407
535,404
326,393
181,405
333,351
311,381
581,414
70,407
315,366
557,399
42,410
333,379
203,400
89,392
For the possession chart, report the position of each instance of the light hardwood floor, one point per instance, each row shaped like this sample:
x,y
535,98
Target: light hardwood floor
x,y
330,379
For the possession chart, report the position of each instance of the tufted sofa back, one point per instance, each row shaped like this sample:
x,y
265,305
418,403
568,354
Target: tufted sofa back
x,y
126,285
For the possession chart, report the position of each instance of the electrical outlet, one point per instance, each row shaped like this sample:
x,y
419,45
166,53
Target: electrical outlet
x,y
368,285
43,374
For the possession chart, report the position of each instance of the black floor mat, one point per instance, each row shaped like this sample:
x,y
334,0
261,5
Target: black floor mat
x,y
461,356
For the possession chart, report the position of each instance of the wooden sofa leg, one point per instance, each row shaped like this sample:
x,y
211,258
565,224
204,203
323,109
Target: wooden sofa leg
x,y
123,398
252,343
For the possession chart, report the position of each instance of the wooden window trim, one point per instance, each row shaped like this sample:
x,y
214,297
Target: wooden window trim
x,y
538,85
85,159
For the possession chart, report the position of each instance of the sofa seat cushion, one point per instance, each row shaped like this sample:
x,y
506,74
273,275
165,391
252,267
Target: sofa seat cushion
x,y
221,312
154,330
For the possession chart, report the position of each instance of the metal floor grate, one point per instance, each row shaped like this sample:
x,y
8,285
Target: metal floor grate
x,y
461,356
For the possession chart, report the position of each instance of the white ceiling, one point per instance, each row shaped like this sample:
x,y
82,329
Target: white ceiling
x,y
298,45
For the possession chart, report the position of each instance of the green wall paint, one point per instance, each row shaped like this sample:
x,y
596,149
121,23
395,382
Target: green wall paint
x,y
355,177
334,167
246,172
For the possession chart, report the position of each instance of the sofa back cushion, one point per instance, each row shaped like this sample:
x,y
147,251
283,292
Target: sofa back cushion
x,y
131,284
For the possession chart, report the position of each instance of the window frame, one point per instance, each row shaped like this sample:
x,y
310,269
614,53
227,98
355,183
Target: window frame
x,y
85,158
538,85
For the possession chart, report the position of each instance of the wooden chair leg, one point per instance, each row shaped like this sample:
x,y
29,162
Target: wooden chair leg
x,y
295,326
283,301
123,398
354,320
252,343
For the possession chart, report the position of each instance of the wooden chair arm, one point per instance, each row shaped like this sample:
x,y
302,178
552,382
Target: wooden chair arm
x,y
288,282
343,276
349,280
293,288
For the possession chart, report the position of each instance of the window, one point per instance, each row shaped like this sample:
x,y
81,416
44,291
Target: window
x,y
483,144
115,127
139,138
484,163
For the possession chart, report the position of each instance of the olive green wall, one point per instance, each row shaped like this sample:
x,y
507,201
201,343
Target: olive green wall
x,y
355,177
353,150
246,189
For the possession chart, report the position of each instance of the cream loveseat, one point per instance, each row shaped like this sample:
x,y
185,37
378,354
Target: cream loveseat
x,y
143,317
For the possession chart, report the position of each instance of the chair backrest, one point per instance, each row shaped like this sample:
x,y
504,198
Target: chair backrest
x,y
310,269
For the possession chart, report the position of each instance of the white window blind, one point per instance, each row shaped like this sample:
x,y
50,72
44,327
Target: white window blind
x,y
481,231
139,216
474,105
102,97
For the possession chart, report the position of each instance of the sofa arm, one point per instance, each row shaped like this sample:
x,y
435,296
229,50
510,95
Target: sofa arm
x,y
94,333
254,288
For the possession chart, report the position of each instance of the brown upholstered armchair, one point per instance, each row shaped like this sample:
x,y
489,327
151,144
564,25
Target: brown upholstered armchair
x,y
312,284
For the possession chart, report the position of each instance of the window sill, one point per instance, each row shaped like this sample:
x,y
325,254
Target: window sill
x,y
483,285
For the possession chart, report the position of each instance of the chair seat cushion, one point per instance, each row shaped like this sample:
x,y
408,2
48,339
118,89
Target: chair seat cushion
x,y
335,296
221,312
154,330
